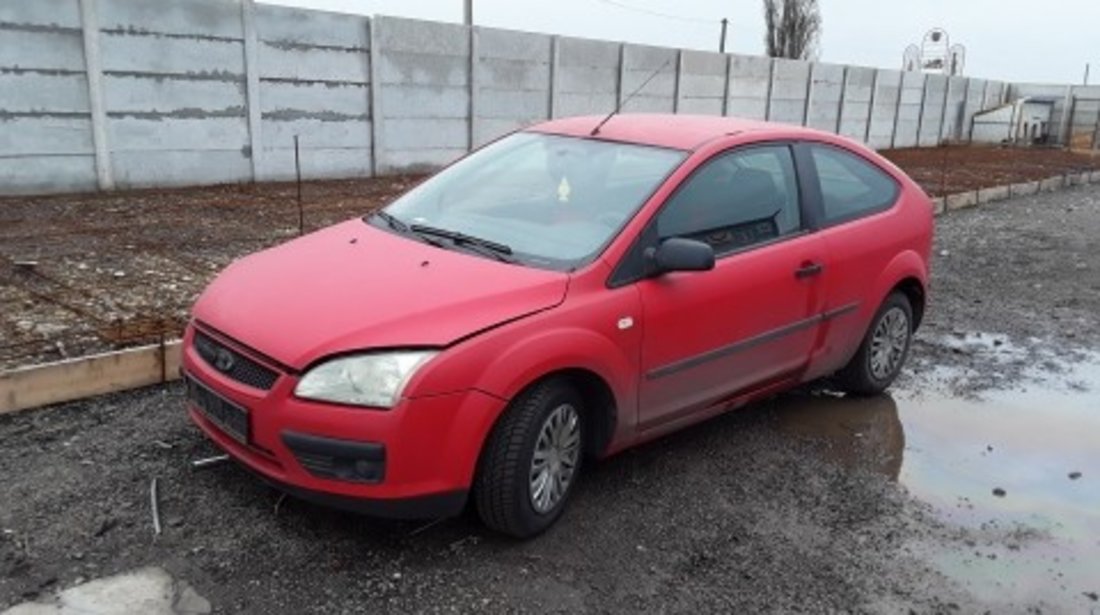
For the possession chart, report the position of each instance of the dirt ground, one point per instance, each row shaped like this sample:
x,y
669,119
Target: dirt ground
x,y
953,169
971,487
94,272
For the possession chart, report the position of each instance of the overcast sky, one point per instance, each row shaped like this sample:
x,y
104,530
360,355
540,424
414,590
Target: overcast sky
x,y
1048,41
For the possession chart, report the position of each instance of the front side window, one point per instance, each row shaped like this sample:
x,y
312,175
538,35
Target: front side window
x,y
740,198
552,201
851,186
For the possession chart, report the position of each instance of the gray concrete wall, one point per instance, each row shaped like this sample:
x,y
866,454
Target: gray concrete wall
x,y
134,93
45,117
932,114
856,112
703,83
174,92
424,76
512,82
826,92
749,86
314,83
587,79
907,121
790,86
884,109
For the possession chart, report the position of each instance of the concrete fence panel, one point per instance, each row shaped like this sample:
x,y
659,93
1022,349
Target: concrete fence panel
x,y
660,67
953,128
887,92
174,92
424,76
826,90
588,77
933,111
45,116
314,84
789,90
856,110
512,82
749,86
703,82
910,105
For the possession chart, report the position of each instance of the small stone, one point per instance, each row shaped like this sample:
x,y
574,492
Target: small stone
x,y
945,252
119,274
1074,475
397,576
999,492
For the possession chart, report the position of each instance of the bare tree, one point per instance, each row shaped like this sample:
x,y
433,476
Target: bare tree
x,y
793,28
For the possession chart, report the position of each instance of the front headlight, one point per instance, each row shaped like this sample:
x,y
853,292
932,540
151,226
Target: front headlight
x,y
375,380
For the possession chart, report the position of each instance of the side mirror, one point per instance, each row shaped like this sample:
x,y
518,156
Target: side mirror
x,y
679,254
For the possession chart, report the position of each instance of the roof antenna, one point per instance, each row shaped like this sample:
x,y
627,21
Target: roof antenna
x,y
618,106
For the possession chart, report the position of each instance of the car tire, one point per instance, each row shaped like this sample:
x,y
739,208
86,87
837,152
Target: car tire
x,y
883,351
543,425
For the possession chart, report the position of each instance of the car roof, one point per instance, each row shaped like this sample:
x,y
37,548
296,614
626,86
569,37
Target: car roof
x,y
678,131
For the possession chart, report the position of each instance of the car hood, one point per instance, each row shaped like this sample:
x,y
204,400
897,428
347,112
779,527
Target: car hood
x,y
353,286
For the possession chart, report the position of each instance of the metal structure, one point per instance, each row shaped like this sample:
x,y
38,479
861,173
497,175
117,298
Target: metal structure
x,y
935,55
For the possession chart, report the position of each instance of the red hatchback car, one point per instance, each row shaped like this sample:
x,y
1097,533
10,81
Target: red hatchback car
x,y
559,295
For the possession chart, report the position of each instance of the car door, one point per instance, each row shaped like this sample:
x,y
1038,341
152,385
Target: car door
x,y
855,205
751,320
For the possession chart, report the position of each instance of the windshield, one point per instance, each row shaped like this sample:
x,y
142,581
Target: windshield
x,y
550,201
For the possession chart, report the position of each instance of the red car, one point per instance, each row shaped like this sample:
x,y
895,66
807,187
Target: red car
x,y
555,297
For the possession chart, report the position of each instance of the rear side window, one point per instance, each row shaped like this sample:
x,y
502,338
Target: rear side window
x,y
735,200
851,186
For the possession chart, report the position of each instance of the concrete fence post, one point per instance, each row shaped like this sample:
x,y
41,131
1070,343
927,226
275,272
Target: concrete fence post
x,y
89,25
920,111
943,112
771,86
1066,127
555,56
676,88
840,103
471,124
809,94
1071,112
376,139
621,79
962,112
726,89
252,85
871,108
897,110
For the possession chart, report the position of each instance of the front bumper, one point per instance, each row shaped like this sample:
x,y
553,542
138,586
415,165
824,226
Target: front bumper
x,y
415,460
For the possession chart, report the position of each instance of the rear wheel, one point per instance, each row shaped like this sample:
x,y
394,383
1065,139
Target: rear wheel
x,y
883,351
531,460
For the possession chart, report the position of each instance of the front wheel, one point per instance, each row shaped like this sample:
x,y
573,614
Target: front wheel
x,y
531,460
883,350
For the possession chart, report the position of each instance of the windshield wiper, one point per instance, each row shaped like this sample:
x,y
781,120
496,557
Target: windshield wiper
x,y
398,225
499,251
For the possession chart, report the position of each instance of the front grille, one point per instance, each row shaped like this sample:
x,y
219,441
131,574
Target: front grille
x,y
234,364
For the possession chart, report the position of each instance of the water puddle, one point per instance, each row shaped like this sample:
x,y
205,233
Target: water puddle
x,y
1012,474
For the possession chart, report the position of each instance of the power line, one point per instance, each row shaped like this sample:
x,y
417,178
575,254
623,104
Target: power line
x,y
638,9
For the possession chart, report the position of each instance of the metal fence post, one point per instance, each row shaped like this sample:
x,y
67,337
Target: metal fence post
x,y
843,95
676,86
771,86
726,88
871,108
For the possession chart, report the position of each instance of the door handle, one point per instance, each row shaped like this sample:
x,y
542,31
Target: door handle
x,y
808,269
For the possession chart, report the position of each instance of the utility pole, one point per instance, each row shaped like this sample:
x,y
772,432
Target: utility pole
x,y
722,41
468,12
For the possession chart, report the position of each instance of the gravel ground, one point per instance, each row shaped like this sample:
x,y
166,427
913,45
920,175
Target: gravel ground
x,y
741,514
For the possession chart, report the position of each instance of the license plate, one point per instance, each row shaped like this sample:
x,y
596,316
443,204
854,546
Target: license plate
x,y
228,416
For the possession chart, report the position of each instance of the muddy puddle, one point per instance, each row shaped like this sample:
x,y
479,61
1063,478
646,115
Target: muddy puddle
x,y
1011,476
